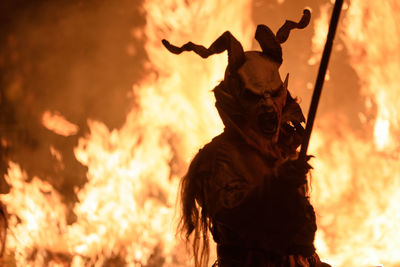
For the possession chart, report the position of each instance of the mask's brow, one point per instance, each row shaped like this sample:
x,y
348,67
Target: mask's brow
x,y
276,91
255,92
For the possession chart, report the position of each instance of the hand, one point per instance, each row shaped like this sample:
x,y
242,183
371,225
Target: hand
x,y
294,172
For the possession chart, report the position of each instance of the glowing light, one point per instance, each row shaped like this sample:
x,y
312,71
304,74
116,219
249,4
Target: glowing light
x,y
58,124
381,133
127,207
320,31
358,178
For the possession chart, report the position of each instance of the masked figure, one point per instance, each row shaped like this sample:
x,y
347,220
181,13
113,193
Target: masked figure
x,y
247,186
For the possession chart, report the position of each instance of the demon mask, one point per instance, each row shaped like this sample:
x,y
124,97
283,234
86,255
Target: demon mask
x,y
252,98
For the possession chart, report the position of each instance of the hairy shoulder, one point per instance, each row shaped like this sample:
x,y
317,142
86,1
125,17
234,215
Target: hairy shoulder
x,y
216,152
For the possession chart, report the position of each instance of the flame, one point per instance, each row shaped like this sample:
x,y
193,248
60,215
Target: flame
x,y
125,212
373,34
58,124
32,206
356,189
320,31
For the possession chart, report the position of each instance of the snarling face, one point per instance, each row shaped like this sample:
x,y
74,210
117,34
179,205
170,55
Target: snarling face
x,y
262,95
252,97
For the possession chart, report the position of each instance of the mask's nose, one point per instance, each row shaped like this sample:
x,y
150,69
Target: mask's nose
x,y
267,98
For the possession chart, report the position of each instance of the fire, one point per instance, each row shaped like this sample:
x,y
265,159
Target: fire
x,y
57,123
373,35
357,177
320,32
126,213
32,206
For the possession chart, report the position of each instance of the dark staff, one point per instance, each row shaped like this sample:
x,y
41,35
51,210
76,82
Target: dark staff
x,y
321,77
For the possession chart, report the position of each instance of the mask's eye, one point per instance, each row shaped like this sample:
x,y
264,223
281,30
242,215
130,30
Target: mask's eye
x,y
250,96
276,92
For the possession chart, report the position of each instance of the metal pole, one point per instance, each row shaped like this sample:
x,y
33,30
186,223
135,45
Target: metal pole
x,y
321,77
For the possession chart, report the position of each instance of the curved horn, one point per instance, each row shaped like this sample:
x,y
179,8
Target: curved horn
x,y
283,32
225,42
269,45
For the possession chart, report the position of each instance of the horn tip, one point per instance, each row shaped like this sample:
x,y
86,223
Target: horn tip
x,y
171,48
165,42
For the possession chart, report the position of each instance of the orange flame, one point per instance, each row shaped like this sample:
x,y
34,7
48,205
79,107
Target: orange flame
x,y
356,189
126,209
58,124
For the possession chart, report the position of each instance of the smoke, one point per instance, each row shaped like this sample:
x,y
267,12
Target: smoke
x,y
76,58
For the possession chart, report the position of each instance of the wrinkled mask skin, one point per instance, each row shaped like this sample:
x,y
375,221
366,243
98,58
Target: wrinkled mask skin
x,y
262,97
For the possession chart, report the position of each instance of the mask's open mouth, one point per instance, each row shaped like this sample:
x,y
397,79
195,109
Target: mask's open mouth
x,y
268,123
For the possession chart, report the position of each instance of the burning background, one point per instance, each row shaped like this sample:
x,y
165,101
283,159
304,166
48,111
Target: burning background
x,y
99,122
